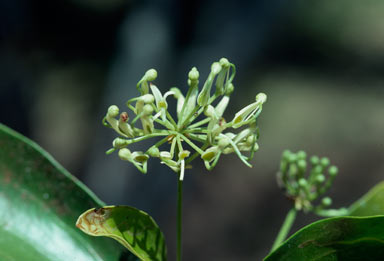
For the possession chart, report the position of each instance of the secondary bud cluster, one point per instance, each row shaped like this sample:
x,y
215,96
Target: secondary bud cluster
x,y
207,137
304,182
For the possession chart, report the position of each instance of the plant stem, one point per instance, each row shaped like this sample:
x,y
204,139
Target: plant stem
x,y
179,217
285,228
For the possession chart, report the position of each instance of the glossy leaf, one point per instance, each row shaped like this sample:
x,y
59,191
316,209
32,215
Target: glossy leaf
x,y
370,204
340,238
133,228
39,205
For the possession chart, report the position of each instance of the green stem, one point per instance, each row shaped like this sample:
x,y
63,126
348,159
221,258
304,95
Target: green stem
x,y
179,217
284,230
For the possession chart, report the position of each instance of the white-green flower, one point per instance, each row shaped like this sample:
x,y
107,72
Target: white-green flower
x,y
198,130
249,111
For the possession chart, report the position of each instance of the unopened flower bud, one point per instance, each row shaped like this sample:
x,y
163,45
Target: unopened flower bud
x,y
154,152
261,98
223,142
303,183
119,143
125,154
215,68
224,62
286,155
324,162
301,155
320,178
147,109
193,74
318,169
292,158
210,112
333,170
315,160
113,111
302,165
230,88
327,201
150,75
147,98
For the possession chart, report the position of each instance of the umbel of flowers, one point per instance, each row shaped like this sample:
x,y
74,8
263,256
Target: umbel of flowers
x,y
200,129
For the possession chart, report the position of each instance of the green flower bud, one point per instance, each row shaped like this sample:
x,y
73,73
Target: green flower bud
x,y
224,62
113,111
286,155
147,110
210,112
292,158
223,143
327,201
301,155
119,143
303,183
302,165
320,178
318,169
215,68
333,170
324,162
154,152
230,135
230,89
315,160
125,154
193,74
147,98
248,111
251,140
150,75
261,98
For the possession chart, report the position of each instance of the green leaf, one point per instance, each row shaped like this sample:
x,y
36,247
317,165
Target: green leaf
x,y
39,205
340,238
370,204
133,228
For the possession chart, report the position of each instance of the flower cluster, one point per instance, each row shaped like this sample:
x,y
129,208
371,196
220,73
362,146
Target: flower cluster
x,y
192,134
305,188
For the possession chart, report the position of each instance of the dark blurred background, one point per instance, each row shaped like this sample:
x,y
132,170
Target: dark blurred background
x,y
63,62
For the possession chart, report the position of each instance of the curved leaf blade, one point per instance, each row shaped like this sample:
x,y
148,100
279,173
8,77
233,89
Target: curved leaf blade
x,y
339,238
39,205
370,204
131,227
